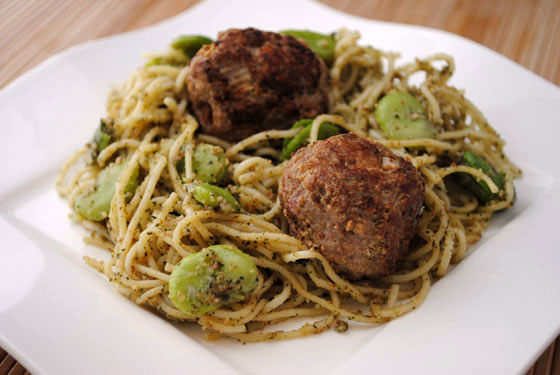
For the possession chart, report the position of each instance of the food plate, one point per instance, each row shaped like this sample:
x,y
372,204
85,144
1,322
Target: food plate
x,y
494,313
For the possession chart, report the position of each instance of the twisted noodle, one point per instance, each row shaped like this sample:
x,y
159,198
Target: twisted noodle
x,y
147,234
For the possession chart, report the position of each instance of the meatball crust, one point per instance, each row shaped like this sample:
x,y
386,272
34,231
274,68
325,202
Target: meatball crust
x,y
250,80
354,201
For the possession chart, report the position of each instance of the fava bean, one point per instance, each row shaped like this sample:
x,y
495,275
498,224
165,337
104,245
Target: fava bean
x,y
101,138
401,116
190,44
291,145
477,187
214,196
322,44
164,60
209,163
213,277
95,205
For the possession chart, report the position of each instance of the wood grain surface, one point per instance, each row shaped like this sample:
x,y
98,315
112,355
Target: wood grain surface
x,y
526,31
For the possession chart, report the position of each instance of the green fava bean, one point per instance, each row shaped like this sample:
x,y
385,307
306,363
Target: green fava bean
x,y
209,163
214,196
190,44
101,138
163,60
95,205
401,116
477,187
157,60
213,277
322,44
291,145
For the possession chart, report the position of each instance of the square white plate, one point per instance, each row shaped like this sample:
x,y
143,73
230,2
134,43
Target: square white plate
x,y
493,313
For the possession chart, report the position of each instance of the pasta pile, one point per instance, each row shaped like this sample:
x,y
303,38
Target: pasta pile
x,y
148,231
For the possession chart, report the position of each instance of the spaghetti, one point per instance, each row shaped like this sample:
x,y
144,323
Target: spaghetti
x,y
149,230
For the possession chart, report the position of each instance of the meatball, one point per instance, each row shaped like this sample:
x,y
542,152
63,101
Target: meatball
x,y
354,201
250,80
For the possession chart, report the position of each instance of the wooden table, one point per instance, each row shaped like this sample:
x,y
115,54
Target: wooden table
x,y
526,31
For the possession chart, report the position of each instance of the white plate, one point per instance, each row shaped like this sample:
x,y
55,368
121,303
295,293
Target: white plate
x,y
493,313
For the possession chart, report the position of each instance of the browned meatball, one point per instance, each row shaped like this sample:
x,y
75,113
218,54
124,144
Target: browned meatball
x,y
249,81
355,201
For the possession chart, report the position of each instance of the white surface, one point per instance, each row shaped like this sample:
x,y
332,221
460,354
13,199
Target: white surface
x,y
493,313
